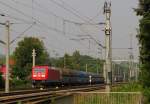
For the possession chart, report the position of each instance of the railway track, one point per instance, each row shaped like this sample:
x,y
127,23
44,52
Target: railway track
x,y
32,90
39,96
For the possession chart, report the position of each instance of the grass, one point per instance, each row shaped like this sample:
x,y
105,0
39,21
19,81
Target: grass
x,y
131,87
20,84
113,98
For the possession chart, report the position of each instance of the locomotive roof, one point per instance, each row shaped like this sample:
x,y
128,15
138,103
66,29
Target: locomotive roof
x,y
70,70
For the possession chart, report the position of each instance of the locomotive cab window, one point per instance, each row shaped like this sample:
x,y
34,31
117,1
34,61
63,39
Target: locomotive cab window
x,y
39,70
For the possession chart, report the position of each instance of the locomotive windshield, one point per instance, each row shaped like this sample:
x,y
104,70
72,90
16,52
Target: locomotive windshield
x,y
39,73
42,70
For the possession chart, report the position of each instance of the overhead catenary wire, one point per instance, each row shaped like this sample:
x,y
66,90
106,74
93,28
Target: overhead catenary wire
x,y
76,23
97,42
33,10
15,18
63,19
62,48
38,21
60,5
53,15
71,11
88,18
29,16
19,36
16,10
40,8
46,11
40,28
23,33
76,13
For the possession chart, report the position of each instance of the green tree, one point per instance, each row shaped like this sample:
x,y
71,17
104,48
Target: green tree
x,y
68,61
23,56
144,40
65,60
2,59
59,62
76,60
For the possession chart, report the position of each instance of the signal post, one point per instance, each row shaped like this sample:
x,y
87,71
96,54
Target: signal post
x,y
33,57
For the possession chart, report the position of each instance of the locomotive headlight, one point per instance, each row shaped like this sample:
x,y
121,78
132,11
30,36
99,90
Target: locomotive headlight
x,y
34,75
43,75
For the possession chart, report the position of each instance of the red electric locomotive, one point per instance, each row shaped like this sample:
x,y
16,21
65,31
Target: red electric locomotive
x,y
44,75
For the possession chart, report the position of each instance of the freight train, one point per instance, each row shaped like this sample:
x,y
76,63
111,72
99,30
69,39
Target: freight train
x,y
50,76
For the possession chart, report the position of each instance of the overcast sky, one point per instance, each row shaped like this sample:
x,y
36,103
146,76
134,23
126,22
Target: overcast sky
x,y
52,17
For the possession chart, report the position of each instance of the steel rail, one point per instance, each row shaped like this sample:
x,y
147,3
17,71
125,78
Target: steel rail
x,y
40,95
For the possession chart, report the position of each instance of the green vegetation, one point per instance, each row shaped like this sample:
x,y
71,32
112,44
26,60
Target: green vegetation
x,y
104,98
17,84
23,57
1,81
144,40
125,97
2,59
131,87
78,62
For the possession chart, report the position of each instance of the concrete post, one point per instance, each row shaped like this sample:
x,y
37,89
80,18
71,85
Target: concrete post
x,y
7,24
33,57
108,42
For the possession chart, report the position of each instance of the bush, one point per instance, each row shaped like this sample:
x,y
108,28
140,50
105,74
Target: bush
x,y
20,84
131,87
